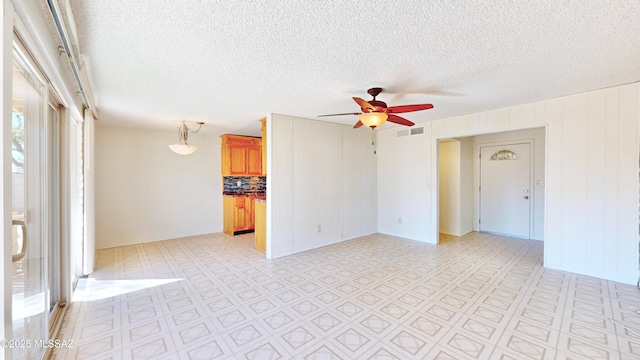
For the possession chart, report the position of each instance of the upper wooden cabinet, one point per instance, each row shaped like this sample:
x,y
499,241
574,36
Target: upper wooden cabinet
x,y
241,155
254,160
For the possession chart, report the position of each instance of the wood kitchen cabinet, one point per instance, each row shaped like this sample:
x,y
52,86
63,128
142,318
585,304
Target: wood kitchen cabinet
x,y
241,155
263,130
260,241
238,213
254,160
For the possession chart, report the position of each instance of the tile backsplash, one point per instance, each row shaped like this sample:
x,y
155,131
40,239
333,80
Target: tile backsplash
x,y
245,184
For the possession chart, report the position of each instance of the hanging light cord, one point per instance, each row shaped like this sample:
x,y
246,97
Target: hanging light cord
x,y
183,131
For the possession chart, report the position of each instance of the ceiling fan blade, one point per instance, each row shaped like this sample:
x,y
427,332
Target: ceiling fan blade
x,y
399,120
339,114
358,124
363,104
408,108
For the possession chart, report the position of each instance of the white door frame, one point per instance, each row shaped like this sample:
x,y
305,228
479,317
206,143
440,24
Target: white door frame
x,y
476,180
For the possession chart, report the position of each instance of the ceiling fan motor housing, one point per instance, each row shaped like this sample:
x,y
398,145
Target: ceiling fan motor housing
x,y
374,91
379,106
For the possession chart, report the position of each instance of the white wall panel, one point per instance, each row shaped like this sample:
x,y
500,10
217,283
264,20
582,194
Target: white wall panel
x,y
388,199
359,185
628,149
553,247
449,187
591,184
595,186
279,186
610,148
466,185
319,174
522,116
404,184
574,181
317,184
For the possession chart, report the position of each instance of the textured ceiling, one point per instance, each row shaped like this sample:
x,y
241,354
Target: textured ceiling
x,y
229,63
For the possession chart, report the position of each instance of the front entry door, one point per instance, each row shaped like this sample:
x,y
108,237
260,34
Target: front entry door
x,y
505,189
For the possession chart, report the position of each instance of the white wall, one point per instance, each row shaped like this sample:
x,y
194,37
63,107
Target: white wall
x,y
405,184
319,174
592,147
449,193
144,192
455,181
466,185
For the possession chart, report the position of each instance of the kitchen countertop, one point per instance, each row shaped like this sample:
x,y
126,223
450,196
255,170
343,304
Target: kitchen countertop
x,y
244,194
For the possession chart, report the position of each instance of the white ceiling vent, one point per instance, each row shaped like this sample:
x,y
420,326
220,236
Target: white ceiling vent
x,y
417,131
408,132
402,133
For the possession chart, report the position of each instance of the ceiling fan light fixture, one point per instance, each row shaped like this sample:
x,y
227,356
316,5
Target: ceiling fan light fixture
x,y
373,119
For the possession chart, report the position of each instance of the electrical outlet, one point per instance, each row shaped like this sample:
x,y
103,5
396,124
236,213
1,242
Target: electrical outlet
x,y
400,220
239,183
319,228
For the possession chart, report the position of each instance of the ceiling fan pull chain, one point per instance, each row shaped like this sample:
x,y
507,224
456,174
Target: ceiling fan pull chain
x,y
373,140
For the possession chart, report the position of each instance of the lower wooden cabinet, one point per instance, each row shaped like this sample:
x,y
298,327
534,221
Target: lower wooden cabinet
x,y
238,214
261,225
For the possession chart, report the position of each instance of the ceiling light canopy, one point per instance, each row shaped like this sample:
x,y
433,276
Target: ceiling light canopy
x,y
182,147
373,119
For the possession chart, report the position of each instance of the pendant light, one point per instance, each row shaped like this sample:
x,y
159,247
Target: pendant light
x,y
182,147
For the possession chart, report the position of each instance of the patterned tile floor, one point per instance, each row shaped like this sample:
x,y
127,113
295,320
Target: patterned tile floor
x,y
479,296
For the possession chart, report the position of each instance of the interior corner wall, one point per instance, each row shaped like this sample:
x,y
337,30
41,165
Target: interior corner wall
x,y
591,177
449,184
466,186
144,192
456,183
321,186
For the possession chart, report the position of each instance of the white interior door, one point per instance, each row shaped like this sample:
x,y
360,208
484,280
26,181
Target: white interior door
x,y
505,189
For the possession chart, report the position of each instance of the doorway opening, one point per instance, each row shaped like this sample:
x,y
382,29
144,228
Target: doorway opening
x,y
504,196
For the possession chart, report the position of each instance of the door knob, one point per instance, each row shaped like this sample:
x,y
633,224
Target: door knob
x,y
526,197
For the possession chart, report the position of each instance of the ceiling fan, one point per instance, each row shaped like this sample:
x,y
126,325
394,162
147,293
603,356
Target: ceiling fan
x,y
375,113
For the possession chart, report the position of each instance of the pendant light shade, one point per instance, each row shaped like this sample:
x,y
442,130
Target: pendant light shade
x,y
373,119
182,147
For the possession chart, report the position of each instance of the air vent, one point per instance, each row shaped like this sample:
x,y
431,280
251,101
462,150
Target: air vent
x,y
402,133
408,132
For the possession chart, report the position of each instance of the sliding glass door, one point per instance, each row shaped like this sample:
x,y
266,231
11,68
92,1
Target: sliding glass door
x,y
35,240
